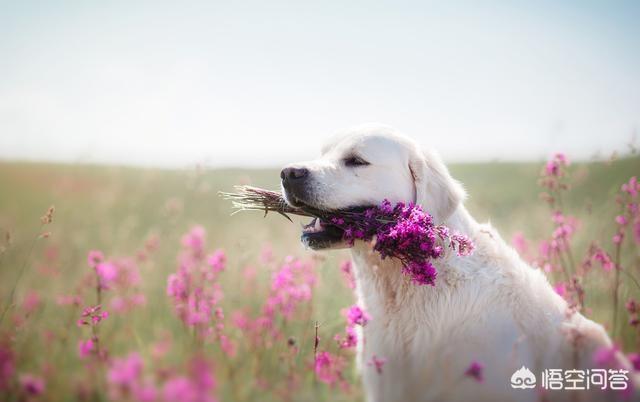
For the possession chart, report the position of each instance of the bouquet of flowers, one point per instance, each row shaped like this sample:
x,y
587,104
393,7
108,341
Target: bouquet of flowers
x,y
402,231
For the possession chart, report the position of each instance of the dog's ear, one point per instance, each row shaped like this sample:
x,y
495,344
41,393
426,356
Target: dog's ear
x,y
436,191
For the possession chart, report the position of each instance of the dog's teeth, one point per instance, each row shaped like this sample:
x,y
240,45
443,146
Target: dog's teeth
x,y
318,226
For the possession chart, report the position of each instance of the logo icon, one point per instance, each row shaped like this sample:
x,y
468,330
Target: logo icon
x,y
523,378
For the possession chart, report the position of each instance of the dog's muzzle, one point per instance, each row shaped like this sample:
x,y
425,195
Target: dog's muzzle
x,y
318,234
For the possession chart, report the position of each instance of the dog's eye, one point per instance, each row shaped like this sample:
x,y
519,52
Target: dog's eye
x,y
353,161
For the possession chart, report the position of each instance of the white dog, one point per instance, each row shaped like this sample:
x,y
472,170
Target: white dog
x,y
489,307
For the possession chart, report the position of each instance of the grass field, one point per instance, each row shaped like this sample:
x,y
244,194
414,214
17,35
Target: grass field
x,y
116,209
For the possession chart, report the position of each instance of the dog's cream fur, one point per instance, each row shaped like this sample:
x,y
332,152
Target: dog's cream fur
x,y
489,307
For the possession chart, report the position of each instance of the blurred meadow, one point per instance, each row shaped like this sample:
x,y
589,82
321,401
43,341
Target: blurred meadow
x,y
143,214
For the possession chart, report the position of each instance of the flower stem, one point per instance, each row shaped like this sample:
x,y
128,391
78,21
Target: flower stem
x,y
616,284
10,299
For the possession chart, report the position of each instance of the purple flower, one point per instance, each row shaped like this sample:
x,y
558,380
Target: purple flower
x,y
32,385
328,368
357,316
85,348
474,371
92,316
350,339
421,273
462,244
405,232
377,363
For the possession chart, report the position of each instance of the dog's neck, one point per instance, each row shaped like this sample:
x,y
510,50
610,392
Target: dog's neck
x,y
381,285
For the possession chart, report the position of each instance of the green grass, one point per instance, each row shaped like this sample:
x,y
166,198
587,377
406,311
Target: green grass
x,y
115,209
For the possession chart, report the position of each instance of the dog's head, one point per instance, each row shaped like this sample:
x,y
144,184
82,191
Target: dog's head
x,y
361,167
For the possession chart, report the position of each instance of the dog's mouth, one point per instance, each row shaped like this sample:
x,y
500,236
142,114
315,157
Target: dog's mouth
x,y
320,234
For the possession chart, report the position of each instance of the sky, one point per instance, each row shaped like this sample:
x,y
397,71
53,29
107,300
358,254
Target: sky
x,y
264,83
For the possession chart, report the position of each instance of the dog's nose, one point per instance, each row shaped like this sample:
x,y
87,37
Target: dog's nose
x,y
294,173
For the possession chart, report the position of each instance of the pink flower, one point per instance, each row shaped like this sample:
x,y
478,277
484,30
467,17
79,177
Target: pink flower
x,y
217,261
377,362
475,370
617,238
520,243
201,373
7,366
621,220
180,389
291,285
553,166
347,273
145,392
95,257
350,339
634,358
198,387
241,320
606,356
357,316
107,272
92,316
176,286
227,346
32,385
601,256
561,158
545,249
328,368
194,288
557,217
85,348
31,301
561,289
632,187
125,372
195,239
